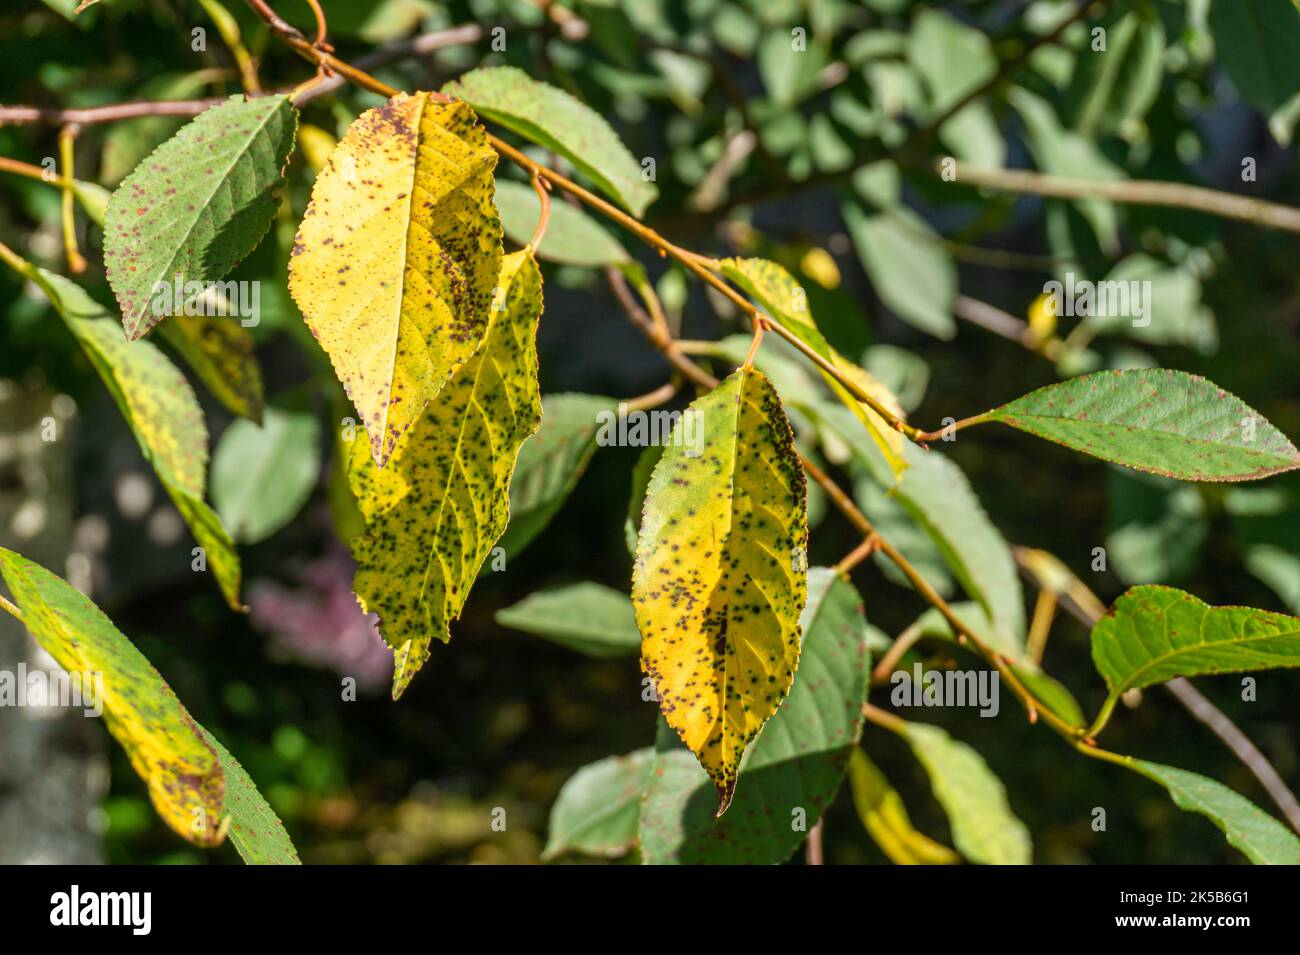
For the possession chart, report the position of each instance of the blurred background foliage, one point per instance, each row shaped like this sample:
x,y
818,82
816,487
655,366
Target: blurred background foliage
x,y
803,156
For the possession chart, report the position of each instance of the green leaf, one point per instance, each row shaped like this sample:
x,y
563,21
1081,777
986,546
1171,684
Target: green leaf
x,y
588,617
559,122
435,512
220,351
199,204
263,474
719,578
1263,839
193,782
1153,634
908,266
1158,420
162,412
793,770
597,810
1062,152
550,464
884,816
984,829
128,142
789,74
954,60
1112,90
255,829
1258,46
1174,311
572,237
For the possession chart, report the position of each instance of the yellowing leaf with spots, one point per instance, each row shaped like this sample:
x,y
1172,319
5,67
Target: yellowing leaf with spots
x,y
721,574
162,411
395,264
197,787
776,292
435,511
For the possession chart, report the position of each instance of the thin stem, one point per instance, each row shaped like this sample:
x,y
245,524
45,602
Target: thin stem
x,y
1005,324
9,608
653,399
869,545
67,140
759,326
924,437
814,853
228,27
1041,626
544,197
902,643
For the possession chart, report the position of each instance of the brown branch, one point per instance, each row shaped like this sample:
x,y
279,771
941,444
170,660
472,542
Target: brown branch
x,y
1174,195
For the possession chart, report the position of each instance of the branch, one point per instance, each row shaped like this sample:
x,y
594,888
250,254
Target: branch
x,y
1141,192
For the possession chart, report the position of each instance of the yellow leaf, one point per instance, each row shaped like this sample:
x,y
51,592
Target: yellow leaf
x,y
776,292
721,572
882,812
1042,317
395,264
185,778
316,145
220,351
818,264
435,511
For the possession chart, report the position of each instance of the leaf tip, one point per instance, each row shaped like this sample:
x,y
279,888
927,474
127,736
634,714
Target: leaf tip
x,y
726,790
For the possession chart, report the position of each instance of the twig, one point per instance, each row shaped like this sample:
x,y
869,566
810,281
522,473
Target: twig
x,y
1005,324
67,140
1176,195
544,197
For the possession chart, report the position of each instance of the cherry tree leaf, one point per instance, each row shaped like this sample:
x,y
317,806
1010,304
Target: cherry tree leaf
x,y
433,515
164,415
395,264
572,237
559,122
597,810
795,767
198,788
220,351
1263,839
588,617
1158,420
199,204
1153,634
883,815
775,291
719,578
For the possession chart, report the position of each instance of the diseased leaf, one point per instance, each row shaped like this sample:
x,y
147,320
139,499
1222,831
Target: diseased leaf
x,y
435,512
162,412
550,464
197,787
199,204
255,829
1263,839
597,810
572,237
984,829
884,816
1153,634
1158,420
796,764
128,142
263,474
775,291
395,263
719,578
220,352
559,122
588,617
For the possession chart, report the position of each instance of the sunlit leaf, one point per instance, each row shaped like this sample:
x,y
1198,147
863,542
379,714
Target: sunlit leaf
x,y
719,579
562,123
795,767
395,263
884,816
220,352
1158,420
572,237
435,512
199,204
